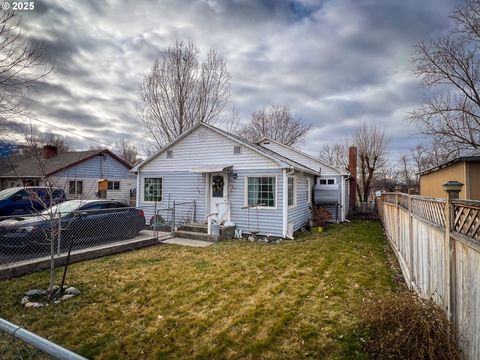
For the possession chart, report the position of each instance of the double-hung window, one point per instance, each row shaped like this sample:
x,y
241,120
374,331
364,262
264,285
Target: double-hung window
x,y
327,181
292,191
75,187
113,185
261,191
153,189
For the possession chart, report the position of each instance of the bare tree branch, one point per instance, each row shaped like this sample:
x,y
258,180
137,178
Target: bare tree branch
x,y
179,92
277,123
451,64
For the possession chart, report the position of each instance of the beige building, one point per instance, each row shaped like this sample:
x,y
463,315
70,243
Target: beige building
x,y
465,169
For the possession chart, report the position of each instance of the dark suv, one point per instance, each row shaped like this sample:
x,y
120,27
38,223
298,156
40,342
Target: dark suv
x,y
30,199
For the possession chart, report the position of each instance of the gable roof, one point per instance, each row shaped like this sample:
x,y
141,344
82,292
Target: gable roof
x,y
469,156
30,168
277,158
320,162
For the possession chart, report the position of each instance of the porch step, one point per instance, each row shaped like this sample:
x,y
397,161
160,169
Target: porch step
x,y
198,228
194,235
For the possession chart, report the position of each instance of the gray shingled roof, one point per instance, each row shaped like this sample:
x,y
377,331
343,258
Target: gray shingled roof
x,y
467,156
31,168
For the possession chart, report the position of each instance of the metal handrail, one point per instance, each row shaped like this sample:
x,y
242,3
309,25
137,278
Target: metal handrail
x,y
38,342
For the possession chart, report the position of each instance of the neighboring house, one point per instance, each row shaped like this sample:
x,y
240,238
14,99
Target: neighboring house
x,y
465,169
77,172
267,186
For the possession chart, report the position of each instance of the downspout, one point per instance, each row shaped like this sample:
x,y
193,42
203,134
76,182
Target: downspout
x,y
285,202
342,217
137,193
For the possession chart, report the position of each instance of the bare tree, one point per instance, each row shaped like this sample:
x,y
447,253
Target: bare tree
x,y
335,154
451,65
180,91
373,147
127,151
22,65
277,123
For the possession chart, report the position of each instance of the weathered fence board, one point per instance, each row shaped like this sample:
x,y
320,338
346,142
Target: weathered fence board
x,y
416,229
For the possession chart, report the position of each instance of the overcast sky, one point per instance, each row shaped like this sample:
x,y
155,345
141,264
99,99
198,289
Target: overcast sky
x,y
334,62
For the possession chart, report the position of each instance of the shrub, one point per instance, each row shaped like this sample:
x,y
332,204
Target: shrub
x,y
320,216
404,326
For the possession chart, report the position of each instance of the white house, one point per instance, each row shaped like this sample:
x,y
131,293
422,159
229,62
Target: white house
x,y
78,172
266,187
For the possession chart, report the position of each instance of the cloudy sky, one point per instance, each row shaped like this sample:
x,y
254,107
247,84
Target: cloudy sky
x,y
334,62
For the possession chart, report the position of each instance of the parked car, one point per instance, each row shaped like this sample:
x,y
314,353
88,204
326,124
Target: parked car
x,y
27,200
84,222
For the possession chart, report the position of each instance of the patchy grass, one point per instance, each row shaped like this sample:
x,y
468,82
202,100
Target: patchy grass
x,y
299,299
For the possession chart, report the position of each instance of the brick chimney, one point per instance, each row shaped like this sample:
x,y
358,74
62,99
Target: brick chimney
x,y
49,151
352,168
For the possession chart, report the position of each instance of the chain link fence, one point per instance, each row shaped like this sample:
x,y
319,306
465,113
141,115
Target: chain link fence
x,y
17,343
26,237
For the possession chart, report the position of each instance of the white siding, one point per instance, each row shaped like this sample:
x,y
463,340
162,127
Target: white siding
x,y
332,209
205,147
301,213
94,169
90,188
299,158
178,186
269,220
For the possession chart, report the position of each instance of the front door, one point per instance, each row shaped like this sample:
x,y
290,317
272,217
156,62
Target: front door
x,y
218,196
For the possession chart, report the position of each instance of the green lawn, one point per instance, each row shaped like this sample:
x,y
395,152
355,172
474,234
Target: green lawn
x,y
299,299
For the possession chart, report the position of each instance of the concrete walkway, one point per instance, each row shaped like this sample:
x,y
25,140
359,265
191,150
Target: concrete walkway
x,y
187,242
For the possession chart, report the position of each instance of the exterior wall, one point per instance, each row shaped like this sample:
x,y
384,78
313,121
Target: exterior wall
x,y
332,209
92,170
300,158
302,211
473,180
205,148
178,186
270,221
431,183
185,186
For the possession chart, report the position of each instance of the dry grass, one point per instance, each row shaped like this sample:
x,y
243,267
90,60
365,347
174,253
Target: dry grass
x,y
299,299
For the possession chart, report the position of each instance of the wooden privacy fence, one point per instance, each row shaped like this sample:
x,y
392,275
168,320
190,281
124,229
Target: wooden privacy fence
x,y
437,243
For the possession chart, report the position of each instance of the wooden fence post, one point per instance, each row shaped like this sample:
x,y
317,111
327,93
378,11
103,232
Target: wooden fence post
x,y
452,189
410,240
397,240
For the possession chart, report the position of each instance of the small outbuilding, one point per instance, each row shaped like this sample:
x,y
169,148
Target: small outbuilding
x,y
464,169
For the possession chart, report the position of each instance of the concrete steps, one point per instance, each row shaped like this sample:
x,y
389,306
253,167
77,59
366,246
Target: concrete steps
x,y
193,235
195,231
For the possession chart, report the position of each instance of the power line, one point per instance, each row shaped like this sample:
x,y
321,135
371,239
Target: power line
x,y
68,131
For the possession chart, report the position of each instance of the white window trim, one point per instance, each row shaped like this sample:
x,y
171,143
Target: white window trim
x,y
326,180
119,185
309,191
245,191
294,192
76,187
143,188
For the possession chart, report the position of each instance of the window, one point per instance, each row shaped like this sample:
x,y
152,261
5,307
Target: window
x,y
309,191
153,189
31,182
237,150
113,185
327,181
261,191
169,154
292,191
75,187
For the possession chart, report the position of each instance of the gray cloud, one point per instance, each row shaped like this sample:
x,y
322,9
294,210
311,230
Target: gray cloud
x,y
334,62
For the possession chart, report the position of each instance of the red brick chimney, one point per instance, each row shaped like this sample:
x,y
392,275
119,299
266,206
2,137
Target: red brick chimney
x,y
49,151
352,168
